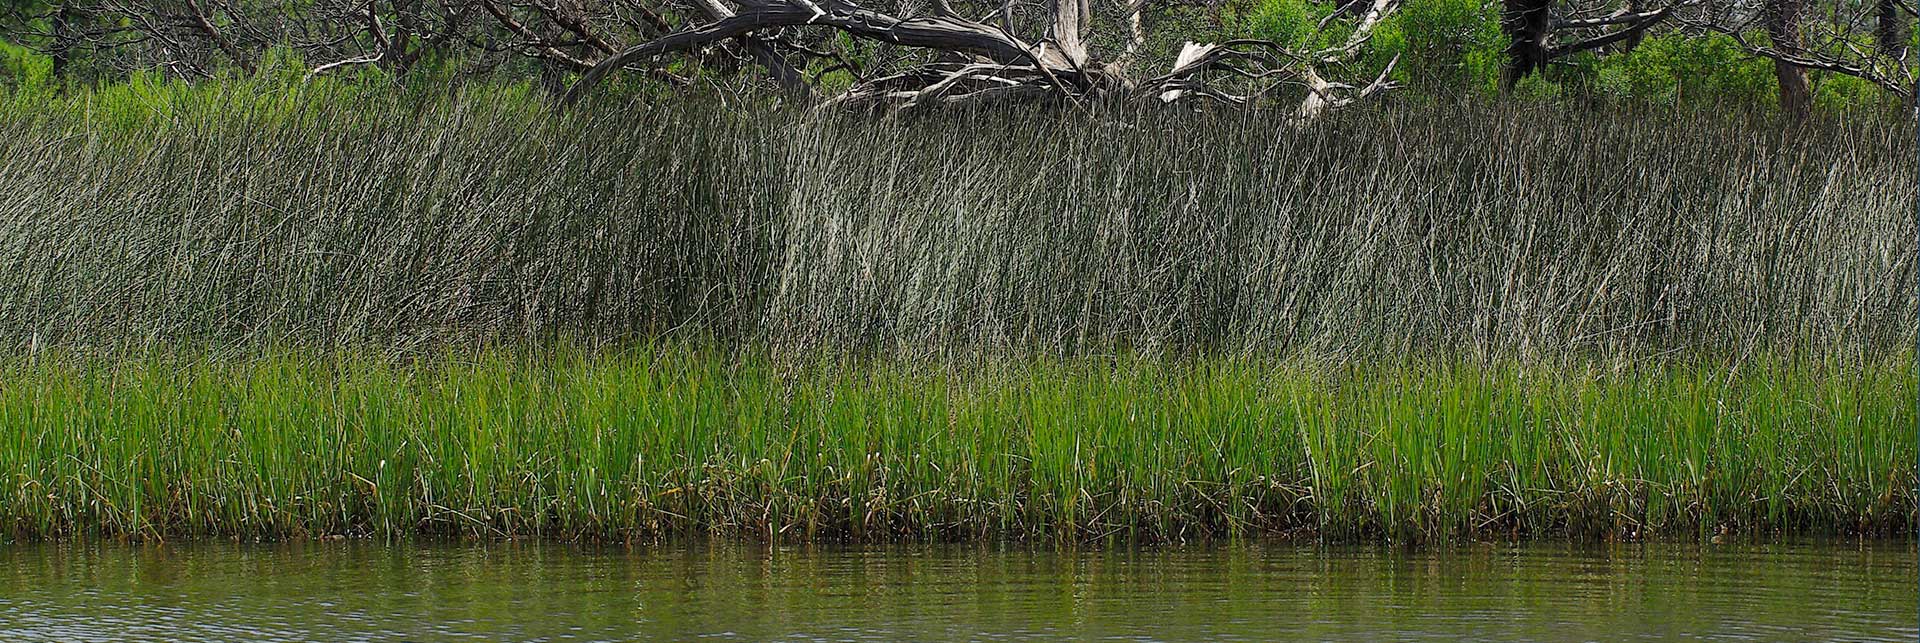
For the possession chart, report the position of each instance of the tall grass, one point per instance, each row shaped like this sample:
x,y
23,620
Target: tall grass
x,y
1478,228
1418,320
646,443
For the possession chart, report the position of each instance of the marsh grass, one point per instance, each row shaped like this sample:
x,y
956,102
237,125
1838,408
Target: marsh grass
x,y
243,219
649,443
257,314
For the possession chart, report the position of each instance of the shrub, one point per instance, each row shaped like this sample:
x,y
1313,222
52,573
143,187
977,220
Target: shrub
x,y
1445,46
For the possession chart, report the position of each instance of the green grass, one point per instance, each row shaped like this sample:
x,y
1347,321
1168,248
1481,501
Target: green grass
x,y
656,442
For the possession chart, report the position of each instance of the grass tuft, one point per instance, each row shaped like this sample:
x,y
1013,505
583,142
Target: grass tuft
x,y
647,443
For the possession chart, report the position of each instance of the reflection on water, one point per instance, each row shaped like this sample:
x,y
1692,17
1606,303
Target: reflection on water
x,y
527,592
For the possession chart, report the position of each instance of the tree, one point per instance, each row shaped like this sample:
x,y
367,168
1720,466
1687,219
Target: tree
x,y
1890,33
917,54
962,60
1533,32
1853,39
1783,29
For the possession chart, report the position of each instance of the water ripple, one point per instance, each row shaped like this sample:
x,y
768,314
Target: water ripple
x,y
1258,592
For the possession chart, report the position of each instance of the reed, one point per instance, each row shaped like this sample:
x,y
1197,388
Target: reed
x,y
227,311
652,442
1475,228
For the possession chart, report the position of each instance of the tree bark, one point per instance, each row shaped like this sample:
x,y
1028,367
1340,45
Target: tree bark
x,y
62,50
790,79
213,33
1783,28
1069,24
935,32
1526,24
981,61
400,51
1637,35
1889,33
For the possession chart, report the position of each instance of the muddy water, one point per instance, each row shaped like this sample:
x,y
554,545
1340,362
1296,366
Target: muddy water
x,y
1830,591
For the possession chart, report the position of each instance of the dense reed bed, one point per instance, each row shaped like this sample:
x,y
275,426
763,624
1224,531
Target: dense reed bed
x,y
1477,228
1418,321
650,443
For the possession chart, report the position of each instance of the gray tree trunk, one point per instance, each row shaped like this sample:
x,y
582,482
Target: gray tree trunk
x,y
1783,28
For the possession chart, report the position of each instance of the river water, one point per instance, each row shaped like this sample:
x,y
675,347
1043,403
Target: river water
x,y
353,591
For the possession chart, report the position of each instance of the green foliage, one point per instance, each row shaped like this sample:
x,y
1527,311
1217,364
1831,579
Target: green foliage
x,y
1675,69
1445,46
1537,88
1449,46
1834,92
1289,22
279,94
283,66
1704,70
22,70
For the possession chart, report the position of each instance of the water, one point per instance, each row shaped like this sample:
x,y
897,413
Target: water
x,y
524,592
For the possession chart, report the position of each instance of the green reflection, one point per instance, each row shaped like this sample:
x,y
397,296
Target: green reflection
x,y
1262,591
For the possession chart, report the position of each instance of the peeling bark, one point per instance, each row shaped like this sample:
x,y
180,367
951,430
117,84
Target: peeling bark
x,y
1069,23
